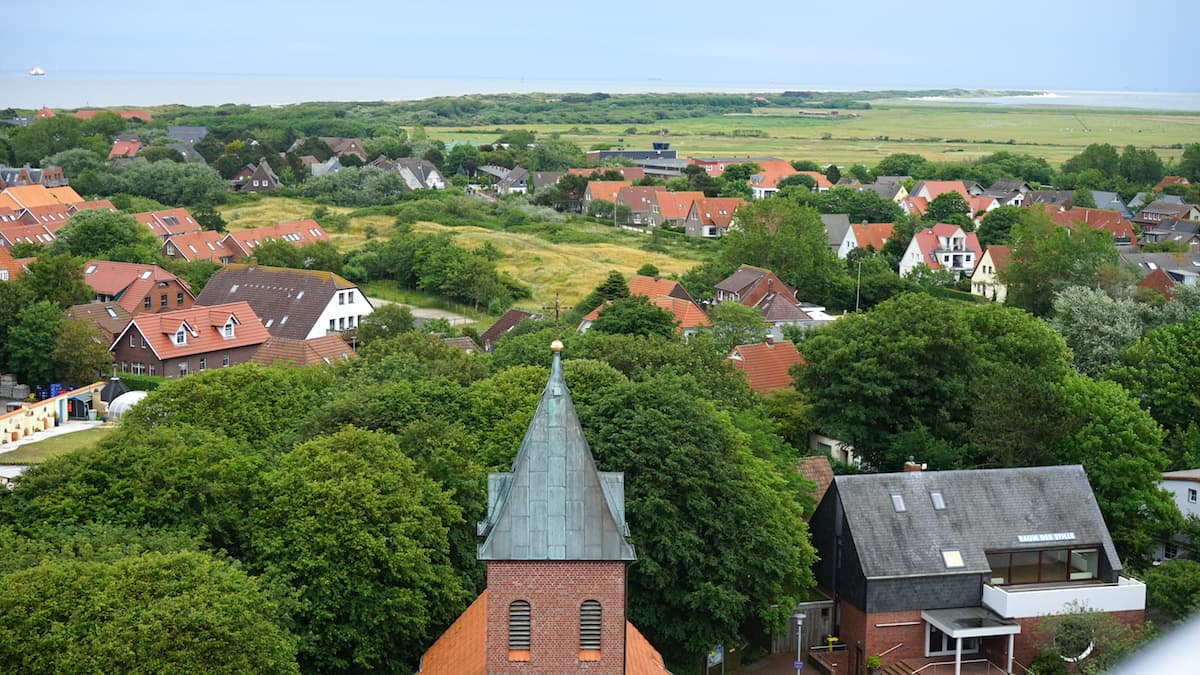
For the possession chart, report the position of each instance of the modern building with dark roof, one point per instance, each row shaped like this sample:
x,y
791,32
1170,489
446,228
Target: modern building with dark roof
x,y
944,564
556,547
298,304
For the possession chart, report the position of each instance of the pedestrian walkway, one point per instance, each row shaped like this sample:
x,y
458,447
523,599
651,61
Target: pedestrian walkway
x,y
68,427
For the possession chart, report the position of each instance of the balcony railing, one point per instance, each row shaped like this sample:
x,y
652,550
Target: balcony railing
x,y
1014,602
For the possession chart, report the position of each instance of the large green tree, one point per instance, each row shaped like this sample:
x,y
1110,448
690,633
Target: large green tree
x,y
1096,327
80,353
996,226
736,324
30,341
635,316
57,278
1047,258
97,233
362,539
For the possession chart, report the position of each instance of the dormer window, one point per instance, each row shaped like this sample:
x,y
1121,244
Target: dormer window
x,y
227,329
181,337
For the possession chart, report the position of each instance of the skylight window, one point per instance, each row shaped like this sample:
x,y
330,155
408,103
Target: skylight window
x,y
898,503
953,558
939,502
90,269
146,274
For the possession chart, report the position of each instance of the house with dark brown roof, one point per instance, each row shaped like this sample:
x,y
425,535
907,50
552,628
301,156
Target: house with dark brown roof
x,y
640,201
174,344
776,301
345,146
326,350
136,287
671,209
261,179
503,325
1159,210
767,364
298,304
108,318
986,282
241,243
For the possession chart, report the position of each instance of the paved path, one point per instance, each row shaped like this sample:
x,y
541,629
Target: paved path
x,y
425,313
68,427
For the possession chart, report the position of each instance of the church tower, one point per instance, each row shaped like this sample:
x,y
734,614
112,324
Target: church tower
x,y
554,540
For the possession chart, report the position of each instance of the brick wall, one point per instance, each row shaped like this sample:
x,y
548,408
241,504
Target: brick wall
x,y
554,591
880,638
1031,637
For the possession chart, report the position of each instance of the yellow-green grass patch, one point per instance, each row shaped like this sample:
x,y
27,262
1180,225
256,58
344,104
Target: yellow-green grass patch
x,y
40,451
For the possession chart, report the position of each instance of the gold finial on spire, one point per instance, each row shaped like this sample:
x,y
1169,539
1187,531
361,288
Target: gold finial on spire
x,y
556,346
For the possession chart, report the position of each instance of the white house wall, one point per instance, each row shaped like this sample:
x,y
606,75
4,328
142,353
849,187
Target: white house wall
x,y
1126,595
359,308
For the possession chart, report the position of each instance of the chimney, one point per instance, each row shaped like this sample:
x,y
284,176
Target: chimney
x,y
910,465
770,340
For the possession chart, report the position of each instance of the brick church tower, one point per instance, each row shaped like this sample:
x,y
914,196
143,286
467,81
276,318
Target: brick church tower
x,y
554,542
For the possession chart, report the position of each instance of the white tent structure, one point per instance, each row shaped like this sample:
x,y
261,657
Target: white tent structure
x,y
123,404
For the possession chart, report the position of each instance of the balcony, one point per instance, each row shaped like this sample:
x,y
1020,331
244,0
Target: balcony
x,y
1015,602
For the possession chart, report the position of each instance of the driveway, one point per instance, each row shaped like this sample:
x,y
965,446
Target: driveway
x,y
426,313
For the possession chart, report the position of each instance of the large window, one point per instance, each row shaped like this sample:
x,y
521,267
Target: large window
x,y
937,642
1046,566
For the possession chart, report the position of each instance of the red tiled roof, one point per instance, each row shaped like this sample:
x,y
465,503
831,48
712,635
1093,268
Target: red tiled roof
x,y
653,287
1096,219
44,113
9,264
462,649
202,245
766,365
206,324
717,211
124,149
1001,256
1159,281
607,189
822,181
816,469
18,232
773,171
52,216
675,205
295,232
93,204
928,241
873,235
639,198
981,204
1171,180
630,173
687,314
938,187
329,349
28,196
168,222
916,205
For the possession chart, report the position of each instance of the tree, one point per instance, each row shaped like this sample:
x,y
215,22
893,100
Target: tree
x,y
1079,631
50,135
75,162
635,316
648,270
1101,157
904,164
175,184
687,593
36,328
736,324
800,179
1161,370
209,218
833,174
389,320
278,253
789,240
1097,328
996,226
97,233
348,522
949,207
554,154
859,205
1173,589
1047,258
147,613
1082,198
80,353
1141,167
1120,447
159,153
1189,163
862,174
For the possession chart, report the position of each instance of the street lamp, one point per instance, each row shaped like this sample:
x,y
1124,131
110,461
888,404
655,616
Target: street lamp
x,y
799,641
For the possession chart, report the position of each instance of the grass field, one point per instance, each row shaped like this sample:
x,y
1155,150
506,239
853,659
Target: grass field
x,y
941,132
36,453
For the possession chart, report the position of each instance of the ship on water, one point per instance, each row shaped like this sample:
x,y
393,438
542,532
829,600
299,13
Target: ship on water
x,y
37,71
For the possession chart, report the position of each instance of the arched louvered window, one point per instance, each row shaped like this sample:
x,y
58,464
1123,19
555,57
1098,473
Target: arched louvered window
x,y
589,626
518,626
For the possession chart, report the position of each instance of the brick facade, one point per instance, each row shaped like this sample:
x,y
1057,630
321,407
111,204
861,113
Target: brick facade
x,y
554,591
139,358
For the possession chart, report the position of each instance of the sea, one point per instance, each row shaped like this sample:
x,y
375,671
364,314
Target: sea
x,y
106,89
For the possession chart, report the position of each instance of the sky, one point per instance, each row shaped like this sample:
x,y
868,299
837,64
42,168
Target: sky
x,y
840,44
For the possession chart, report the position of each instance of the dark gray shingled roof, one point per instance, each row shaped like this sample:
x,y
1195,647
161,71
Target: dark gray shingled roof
x,y
986,510
289,301
554,504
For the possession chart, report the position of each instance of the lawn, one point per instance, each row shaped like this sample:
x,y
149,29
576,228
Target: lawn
x,y
36,453
943,132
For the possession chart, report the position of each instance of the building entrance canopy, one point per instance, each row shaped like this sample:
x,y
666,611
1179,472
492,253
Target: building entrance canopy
x,y
970,622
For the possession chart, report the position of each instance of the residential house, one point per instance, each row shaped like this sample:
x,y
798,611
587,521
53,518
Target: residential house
x,y
1163,271
986,282
515,182
1096,219
775,300
420,174
932,189
1006,186
664,168
767,364
928,566
766,182
1184,487
107,318
654,287
124,149
186,134
544,179
298,233
640,201
942,247
508,321
1139,200
979,205
817,470
871,236
891,191
28,196
262,178
91,204
1159,210
832,448
10,267
1111,201
670,209
665,294
629,173
168,223
1185,233
914,206
603,189
345,146
293,353
297,304
50,176
711,216
838,233
329,166
462,343
52,216
497,173
131,115
175,344
202,245
556,547
139,288
715,166
13,231
1171,180
1052,199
